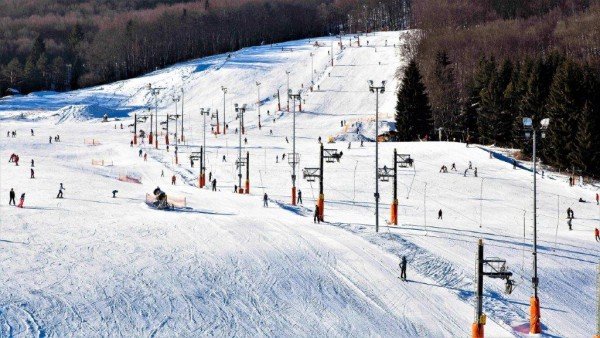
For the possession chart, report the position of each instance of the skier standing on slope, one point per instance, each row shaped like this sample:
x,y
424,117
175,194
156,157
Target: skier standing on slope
x,y
597,199
440,214
299,196
403,268
32,163
140,153
12,197
32,173
316,215
60,191
214,184
173,179
265,200
597,234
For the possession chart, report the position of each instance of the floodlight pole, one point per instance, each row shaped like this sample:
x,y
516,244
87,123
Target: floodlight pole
x,y
287,72
258,102
312,69
224,89
202,179
321,200
182,100
294,159
377,90
240,110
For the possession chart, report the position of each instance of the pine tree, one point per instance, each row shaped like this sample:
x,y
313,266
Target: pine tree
x,y
564,104
13,72
444,95
413,113
584,155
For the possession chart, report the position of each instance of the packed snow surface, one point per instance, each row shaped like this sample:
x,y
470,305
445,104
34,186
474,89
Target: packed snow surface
x,y
93,265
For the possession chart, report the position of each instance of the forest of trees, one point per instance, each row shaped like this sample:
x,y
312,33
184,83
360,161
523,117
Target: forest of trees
x,y
484,65
60,45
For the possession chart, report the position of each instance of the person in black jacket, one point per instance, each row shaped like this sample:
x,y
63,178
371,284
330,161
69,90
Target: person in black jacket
x,y
403,268
12,197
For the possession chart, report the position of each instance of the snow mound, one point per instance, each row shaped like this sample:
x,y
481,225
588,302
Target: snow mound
x,y
83,112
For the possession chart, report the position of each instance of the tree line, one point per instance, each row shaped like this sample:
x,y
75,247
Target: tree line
x,y
62,45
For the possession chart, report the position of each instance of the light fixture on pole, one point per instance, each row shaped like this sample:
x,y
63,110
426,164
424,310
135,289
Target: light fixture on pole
x,y
224,89
240,110
535,327
287,72
293,157
154,91
377,90
258,103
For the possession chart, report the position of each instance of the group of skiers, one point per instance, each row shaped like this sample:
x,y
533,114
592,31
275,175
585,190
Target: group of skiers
x,y
56,138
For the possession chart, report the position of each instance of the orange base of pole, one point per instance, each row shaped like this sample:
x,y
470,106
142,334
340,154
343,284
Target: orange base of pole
x,y
201,181
240,190
134,139
176,159
321,204
156,143
477,330
150,138
535,327
394,211
247,187
167,139
293,195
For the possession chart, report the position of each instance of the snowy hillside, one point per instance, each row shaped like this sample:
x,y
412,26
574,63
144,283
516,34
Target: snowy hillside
x,y
90,264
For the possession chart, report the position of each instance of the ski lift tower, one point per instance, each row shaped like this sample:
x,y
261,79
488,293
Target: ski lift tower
x,y
154,91
385,173
199,155
492,267
293,158
241,110
138,118
202,178
311,174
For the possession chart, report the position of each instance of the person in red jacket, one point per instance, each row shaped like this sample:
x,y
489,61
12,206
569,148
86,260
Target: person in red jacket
x,y
597,233
597,199
173,178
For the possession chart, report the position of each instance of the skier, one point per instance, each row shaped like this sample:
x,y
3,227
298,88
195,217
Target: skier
x,y
32,173
140,153
475,172
145,157
16,160
50,139
316,218
162,173
192,162
286,140
403,268
21,201
299,196
210,176
131,143
31,132
60,191
224,159
271,132
440,214
349,145
245,140
173,179
570,213
597,199
234,188
214,184
465,174
265,201
114,192
361,143
12,197
283,157
470,165
453,167
597,234
276,158
569,223
32,163
319,139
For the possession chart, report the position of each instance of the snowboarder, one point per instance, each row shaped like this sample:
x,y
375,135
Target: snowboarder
x,y
21,201
114,192
32,173
173,179
440,214
403,268
140,153
316,218
265,200
12,197
214,184
60,191
597,234
299,196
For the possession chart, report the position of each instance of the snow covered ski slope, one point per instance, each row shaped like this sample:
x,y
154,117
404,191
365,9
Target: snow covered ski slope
x,y
93,265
